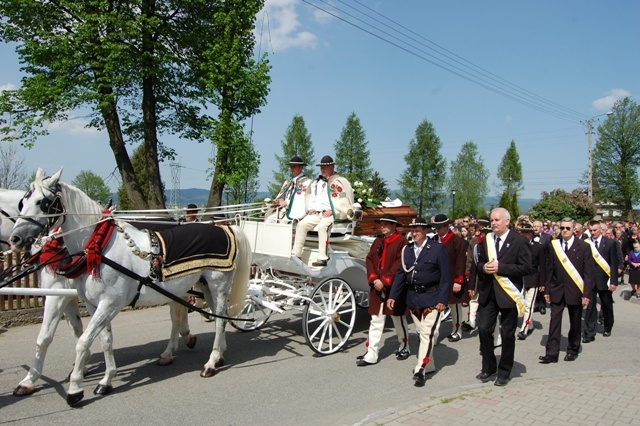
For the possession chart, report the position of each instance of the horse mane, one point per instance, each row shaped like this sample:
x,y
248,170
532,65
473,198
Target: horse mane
x,y
77,202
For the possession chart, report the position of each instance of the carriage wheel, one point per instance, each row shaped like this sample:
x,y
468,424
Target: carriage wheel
x,y
329,318
362,299
251,310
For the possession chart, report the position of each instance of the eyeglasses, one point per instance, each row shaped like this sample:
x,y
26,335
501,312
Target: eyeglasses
x,y
565,228
465,220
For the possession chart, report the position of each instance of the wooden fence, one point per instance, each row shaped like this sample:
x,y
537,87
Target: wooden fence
x,y
16,302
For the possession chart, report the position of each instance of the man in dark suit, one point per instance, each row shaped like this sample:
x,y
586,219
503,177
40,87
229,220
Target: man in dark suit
x,y
605,279
503,259
534,281
569,283
424,276
545,239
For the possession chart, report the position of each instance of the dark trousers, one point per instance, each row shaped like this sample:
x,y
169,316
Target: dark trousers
x,y
486,321
555,328
591,314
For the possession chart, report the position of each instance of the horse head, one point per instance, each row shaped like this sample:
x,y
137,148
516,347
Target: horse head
x,y
40,209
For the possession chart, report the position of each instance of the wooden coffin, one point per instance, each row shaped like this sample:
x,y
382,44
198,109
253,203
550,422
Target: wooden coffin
x,y
404,214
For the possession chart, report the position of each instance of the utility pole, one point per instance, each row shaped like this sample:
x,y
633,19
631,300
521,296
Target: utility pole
x,y
590,159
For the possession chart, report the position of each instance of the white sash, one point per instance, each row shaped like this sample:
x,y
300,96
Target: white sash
x,y
506,284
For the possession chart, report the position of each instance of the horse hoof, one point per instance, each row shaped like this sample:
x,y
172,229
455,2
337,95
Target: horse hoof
x,y
207,372
191,343
103,390
74,398
164,361
220,363
23,390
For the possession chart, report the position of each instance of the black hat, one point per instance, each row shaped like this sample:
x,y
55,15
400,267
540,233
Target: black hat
x,y
388,217
524,224
295,160
192,206
420,221
326,161
440,220
484,220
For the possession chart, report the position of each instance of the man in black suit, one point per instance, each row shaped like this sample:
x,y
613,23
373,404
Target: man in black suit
x,y
605,279
425,279
569,283
503,259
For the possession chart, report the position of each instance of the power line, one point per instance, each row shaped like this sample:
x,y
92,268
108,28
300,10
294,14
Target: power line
x,y
533,101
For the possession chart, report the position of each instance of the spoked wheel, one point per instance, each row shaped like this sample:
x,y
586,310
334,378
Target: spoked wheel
x,y
329,318
362,299
252,310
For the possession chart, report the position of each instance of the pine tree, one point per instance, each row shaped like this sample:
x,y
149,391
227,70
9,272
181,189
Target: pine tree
x,y
469,177
422,182
352,156
510,175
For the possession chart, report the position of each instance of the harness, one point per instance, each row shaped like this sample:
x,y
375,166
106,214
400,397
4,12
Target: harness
x,y
8,216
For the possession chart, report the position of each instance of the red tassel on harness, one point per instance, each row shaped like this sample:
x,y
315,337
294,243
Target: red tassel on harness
x,y
97,242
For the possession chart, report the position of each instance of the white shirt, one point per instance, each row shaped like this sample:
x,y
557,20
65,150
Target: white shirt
x,y
319,196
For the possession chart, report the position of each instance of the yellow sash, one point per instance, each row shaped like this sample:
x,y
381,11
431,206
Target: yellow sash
x,y
506,284
600,260
567,265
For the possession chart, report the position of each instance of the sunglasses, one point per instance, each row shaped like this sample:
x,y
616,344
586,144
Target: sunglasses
x,y
565,228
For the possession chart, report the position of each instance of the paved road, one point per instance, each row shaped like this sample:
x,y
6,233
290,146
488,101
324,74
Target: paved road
x,y
272,377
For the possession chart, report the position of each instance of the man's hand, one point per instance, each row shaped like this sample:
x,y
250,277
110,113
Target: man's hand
x,y
378,284
612,288
547,298
491,267
585,301
441,307
327,213
457,288
472,293
390,303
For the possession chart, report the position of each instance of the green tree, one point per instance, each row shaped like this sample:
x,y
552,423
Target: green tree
x,y
510,175
617,157
142,68
92,185
352,156
245,163
378,186
139,162
422,182
558,204
236,83
297,141
469,176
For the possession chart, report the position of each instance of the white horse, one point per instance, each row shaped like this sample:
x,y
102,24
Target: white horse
x,y
55,306
54,203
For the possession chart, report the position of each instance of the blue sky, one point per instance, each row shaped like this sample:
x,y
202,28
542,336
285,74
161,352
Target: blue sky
x,y
573,59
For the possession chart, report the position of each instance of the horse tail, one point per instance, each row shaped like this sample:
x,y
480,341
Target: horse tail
x,y
242,273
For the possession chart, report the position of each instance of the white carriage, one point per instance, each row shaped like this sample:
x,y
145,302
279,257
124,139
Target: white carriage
x,y
327,296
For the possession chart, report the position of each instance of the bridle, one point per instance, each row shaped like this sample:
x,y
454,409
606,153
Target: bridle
x,y
4,213
51,207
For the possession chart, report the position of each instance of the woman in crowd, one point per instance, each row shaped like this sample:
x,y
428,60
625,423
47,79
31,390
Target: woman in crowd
x,y
634,269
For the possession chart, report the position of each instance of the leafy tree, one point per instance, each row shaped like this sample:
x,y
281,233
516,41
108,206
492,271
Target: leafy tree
x,y
558,204
92,185
469,177
352,156
243,182
510,175
139,162
297,141
617,156
378,186
235,82
142,68
12,169
422,182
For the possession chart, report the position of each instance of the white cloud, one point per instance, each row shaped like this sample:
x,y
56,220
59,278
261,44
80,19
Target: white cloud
x,y
8,86
74,126
282,26
606,103
322,17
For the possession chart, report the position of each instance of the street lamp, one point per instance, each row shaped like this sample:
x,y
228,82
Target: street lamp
x,y
453,204
590,155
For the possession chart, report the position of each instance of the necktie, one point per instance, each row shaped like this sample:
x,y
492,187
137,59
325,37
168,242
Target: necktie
x,y
596,242
497,245
566,247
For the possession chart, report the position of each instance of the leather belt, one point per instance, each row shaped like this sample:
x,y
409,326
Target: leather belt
x,y
420,289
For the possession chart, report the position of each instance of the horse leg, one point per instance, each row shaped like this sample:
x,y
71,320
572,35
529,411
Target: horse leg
x,y
179,326
100,319
104,387
216,358
53,307
74,321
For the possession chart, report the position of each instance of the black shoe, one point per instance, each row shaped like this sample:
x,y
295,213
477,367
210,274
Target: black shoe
x,y
543,310
600,319
501,382
465,326
588,339
360,357
419,379
363,363
570,357
454,337
522,336
403,354
606,334
547,359
485,377
319,263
